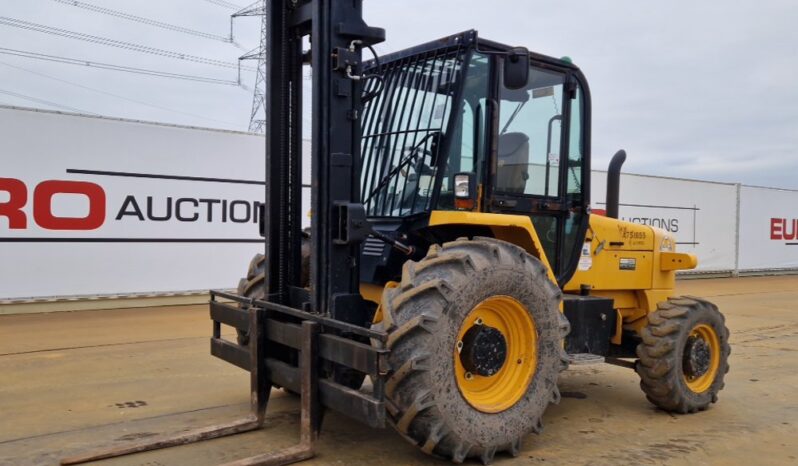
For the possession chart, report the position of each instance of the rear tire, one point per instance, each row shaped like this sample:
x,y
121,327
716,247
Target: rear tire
x,y
667,374
427,402
253,286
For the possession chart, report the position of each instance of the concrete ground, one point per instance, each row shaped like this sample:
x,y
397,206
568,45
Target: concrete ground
x,y
72,381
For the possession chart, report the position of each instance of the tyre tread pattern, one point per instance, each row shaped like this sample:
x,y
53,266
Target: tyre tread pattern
x,y
409,314
659,354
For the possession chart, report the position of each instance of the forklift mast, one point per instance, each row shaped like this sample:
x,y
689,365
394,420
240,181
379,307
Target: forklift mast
x,y
337,34
323,327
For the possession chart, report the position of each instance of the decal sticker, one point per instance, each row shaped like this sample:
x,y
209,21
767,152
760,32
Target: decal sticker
x,y
585,260
628,263
632,236
542,92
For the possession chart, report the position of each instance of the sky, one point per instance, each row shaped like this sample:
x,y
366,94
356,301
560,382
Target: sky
x,y
700,90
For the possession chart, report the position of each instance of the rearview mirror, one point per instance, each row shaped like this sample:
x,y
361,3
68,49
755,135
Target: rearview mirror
x,y
516,68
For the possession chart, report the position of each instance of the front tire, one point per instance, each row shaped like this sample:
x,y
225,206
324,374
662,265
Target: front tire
x,y
465,285
683,355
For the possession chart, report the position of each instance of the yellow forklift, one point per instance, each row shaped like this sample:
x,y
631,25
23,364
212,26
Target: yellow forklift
x,y
453,258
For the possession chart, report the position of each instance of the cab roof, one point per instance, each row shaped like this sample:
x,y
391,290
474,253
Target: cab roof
x,y
468,38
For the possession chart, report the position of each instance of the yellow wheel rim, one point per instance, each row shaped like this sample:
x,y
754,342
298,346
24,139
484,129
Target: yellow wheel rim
x,y
503,389
702,382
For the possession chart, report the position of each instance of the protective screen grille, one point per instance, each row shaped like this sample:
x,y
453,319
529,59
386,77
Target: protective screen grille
x,y
405,116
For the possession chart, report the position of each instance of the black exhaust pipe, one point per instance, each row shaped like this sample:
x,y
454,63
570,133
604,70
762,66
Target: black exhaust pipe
x,y
614,183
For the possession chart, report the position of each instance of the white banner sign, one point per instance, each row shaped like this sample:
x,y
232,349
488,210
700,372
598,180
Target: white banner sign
x,y
99,206
768,228
96,206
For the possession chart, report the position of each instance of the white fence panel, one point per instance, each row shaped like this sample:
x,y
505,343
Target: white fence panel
x,y
768,229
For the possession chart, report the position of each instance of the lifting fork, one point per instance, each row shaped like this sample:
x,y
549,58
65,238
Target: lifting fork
x,y
260,384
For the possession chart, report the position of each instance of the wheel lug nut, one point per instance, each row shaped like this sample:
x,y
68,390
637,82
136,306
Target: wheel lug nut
x,y
459,346
478,321
469,376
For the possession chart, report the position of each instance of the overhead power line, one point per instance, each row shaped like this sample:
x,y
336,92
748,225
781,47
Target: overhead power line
x,y
119,44
224,4
46,102
112,67
117,96
143,20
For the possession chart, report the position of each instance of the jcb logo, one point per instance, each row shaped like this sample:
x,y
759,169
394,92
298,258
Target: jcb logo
x,y
42,203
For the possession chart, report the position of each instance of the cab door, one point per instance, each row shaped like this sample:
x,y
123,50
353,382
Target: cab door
x,y
537,164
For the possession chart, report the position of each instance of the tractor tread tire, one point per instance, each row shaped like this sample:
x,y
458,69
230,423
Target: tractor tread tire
x,y
424,405
659,354
251,286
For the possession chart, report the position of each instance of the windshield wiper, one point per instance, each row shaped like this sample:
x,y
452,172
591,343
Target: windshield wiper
x,y
512,116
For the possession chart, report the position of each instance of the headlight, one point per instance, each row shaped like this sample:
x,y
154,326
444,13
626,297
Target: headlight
x,y
462,186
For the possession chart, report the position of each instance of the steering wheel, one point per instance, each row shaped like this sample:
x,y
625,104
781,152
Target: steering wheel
x,y
414,152
413,178
551,235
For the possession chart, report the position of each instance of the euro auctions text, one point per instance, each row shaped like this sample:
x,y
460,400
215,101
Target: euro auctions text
x,y
22,205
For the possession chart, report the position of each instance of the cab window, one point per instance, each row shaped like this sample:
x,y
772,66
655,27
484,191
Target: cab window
x,y
530,123
466,153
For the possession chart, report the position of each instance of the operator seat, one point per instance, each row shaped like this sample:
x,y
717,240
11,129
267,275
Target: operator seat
x,y
512,169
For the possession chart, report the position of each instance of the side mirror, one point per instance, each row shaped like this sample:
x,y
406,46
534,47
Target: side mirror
x,y
465,190
516,68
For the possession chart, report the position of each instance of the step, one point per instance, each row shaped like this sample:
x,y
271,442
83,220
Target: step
x,y
584,359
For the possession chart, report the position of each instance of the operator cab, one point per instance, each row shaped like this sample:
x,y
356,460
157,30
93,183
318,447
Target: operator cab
x,y
447,110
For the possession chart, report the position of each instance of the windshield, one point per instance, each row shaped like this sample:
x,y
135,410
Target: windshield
x,y
405,118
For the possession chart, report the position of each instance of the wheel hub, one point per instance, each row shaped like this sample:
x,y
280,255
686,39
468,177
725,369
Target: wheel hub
x,y
484,350
697,357
495,354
